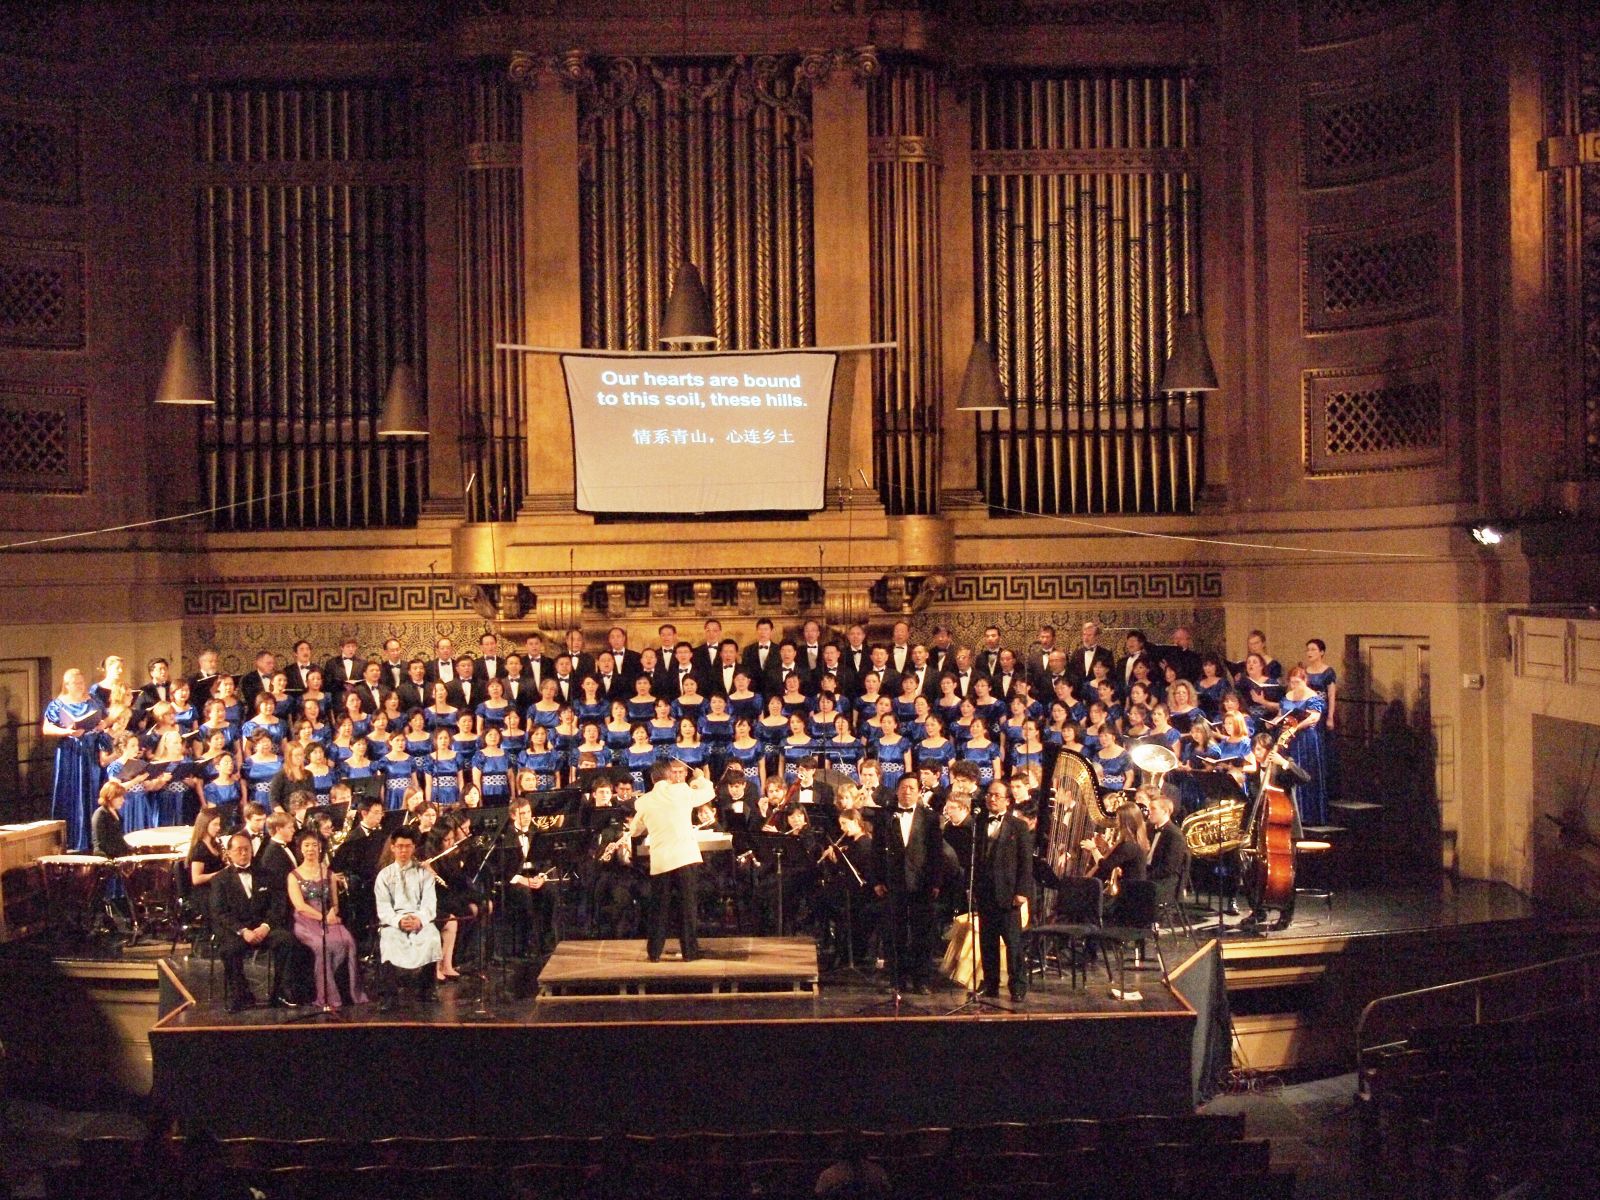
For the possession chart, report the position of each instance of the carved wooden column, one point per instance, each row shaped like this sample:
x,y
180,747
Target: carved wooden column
x,y
843,249
552,280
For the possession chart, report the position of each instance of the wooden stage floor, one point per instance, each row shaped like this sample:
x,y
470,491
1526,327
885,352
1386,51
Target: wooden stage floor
x,y
726,967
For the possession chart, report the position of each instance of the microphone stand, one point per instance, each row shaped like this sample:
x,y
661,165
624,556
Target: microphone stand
x,y
974,1001
480,1009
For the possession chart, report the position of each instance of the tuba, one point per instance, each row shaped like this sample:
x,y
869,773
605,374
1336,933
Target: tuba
x,y
1215,830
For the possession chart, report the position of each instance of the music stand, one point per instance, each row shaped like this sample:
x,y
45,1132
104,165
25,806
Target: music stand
x,y
779,844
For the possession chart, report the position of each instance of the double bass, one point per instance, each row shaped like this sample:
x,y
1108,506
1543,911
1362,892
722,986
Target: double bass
x,y
1268,851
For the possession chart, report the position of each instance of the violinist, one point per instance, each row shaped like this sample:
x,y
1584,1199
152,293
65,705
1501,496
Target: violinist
x,y
847,908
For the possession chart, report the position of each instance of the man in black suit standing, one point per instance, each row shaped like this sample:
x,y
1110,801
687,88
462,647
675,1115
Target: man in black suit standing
x,y
941,653
370,689
393,667
537,666
416,692
442,667
912,861
788,663
1135,651
205,677
489,664
708,654
520,690
1080,664
300,668
718,681
1002,885
761,655
246,914
680,667
988,657
625,660
342,670
612,684
809,652
855,659
257,681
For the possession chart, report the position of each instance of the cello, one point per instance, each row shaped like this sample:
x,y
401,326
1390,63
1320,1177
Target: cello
x,y
1268,852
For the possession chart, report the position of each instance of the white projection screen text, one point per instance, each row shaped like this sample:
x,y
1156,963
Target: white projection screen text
x,y
703,433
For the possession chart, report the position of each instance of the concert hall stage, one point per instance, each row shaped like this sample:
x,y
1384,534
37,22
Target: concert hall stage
x,y
844,1057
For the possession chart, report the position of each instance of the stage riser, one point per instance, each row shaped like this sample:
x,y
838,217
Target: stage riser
x,y
385,1080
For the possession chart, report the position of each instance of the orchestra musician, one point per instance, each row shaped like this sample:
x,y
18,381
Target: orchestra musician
x,y
529,905
408,940
1124,853
106,836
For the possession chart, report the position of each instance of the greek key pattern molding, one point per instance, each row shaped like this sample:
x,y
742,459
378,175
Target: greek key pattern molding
x,y
297,599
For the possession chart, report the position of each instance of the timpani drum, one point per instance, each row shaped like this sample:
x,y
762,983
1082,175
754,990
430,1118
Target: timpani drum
x,y
165,839
74,884
151,881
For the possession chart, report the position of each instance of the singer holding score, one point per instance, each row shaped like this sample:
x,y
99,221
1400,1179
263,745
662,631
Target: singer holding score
x,y
665,814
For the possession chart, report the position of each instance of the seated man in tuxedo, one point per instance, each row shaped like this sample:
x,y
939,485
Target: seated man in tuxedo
x,y
247,915
1169,856
807,788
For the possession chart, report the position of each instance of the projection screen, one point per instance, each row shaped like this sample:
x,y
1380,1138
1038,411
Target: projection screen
x,y
702,433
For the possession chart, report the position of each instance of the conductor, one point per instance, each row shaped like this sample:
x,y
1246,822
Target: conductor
x,y
666,815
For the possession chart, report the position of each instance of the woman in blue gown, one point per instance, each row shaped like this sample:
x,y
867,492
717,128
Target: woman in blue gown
x,y
1325,683
491,768
397,770
748,753
590,704
842,751
542,760
934,749
1303,708
73,716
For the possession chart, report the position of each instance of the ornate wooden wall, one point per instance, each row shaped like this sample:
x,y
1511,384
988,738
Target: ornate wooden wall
x,y
309,263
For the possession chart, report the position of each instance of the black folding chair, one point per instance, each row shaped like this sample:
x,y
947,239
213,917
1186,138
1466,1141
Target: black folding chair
x,y
1079,911
1133,924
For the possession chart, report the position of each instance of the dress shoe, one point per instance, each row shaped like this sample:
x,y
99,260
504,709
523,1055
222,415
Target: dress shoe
x,y
991,993
1231,908
1019,997
655,958
234,1005
282,1002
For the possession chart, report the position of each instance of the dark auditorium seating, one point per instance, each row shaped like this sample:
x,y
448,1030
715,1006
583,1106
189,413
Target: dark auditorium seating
x,y
1143,1158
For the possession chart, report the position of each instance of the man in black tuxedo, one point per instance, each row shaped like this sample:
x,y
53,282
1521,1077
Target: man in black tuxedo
x,y
277,858
416,691
807,788
833,668
490,663
257,681
675,672
626,661
809,651
612,684
912,862
788,664
1135,650
1002,884
520,690
941,653
1006,675
442,666
1182,654
708,654
1169,856
157,691
900,649
921,669
343,670
537,666
855,658
392,670
761,655
370,688
467,692
566,677
1080,663
888,677
247,914
718,681
582,660
987,659
300,668
204,679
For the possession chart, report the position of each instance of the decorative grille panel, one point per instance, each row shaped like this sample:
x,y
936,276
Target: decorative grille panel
x,y
1354,135
38,152
1371,276
1323,22
41,294
1374,419
41,439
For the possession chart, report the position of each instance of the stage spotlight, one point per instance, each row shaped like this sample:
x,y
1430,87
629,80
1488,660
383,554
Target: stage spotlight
x,y
1486,534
